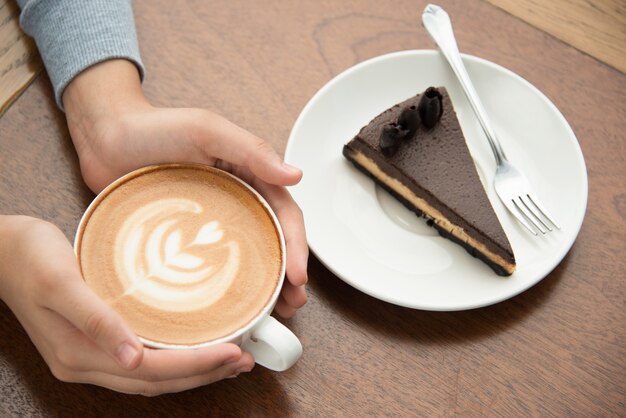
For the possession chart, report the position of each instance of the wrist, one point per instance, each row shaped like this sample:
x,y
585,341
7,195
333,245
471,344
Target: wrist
x,y
100,97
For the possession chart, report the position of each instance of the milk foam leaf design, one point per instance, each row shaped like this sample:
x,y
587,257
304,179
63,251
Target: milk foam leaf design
x,y
174,256
209,234
156,267
184,261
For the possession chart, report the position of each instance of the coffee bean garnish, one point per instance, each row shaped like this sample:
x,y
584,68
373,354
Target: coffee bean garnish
x,y
390,138
409,120
430,107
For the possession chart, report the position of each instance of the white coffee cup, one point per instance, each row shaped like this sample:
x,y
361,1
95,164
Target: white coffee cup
x,y
272,344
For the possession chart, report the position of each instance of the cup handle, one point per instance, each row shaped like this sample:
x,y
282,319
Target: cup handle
x,y
273,345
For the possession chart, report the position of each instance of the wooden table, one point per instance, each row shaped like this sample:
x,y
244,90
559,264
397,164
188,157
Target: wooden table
x,y
558,349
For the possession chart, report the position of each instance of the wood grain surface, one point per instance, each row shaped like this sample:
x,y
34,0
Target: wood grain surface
x,y
19,61
597,27
558,349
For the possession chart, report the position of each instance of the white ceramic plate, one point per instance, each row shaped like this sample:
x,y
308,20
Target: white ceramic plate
x,y
373,243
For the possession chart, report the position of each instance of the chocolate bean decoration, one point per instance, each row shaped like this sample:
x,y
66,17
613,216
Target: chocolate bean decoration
x,y
430,107
409,120
390,138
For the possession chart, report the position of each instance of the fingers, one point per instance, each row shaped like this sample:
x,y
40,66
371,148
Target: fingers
x,y
79,305
292,223
176,384
221,139
291,299
159,365
73,357
283,309
182,135
293,295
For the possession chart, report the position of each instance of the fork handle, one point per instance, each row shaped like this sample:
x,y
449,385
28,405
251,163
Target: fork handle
x,y
437,23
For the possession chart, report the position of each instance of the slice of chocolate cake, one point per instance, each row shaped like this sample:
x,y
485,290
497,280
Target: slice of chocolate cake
x,y
416,150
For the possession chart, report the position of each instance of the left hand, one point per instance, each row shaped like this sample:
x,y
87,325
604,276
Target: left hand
x,y
115,130
81,337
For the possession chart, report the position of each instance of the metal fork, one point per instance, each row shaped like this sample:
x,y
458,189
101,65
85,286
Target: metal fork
x,y
511,185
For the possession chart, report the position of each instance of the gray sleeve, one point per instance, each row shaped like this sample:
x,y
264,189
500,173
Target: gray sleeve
x,y
72,35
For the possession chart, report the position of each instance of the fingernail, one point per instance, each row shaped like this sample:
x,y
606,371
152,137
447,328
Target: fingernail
x,y
126,354
291,168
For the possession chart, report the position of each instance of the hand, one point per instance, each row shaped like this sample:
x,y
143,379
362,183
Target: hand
x,y
115,130
79,336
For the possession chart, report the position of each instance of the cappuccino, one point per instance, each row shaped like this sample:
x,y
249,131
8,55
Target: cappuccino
x,y
187,254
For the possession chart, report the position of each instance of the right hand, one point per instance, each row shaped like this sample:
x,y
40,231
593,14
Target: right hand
x,y
81,338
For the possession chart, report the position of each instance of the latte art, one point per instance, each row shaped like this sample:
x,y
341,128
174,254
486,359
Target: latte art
x,y
185,253
157,266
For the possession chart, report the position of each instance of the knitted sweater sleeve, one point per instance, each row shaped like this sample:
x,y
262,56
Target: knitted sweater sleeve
x,y
72,35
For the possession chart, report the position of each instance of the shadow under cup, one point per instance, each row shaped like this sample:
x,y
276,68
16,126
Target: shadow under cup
x,y
190,256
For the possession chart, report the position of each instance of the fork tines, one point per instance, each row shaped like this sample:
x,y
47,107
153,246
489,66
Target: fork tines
x,y
533,213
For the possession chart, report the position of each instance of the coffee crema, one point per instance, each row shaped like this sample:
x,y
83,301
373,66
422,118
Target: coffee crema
x,y
184,253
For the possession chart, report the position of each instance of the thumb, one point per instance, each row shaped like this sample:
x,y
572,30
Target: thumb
x,y
219,138
98,321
